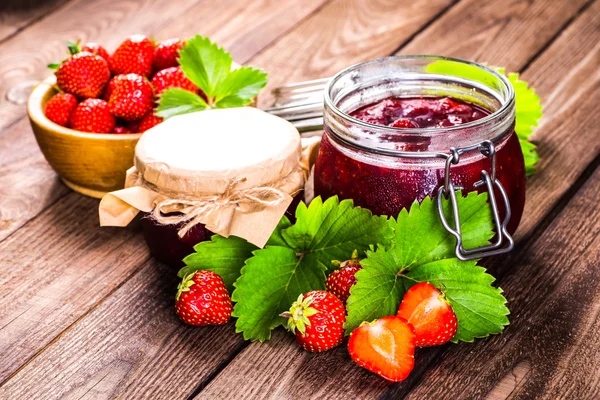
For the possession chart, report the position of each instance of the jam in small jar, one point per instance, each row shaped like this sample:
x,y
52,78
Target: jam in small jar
x,y
399,129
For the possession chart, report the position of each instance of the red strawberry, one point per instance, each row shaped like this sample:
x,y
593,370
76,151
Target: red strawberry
x,y
134,126
340,281
429,312
121,129
59,108
134,55
96,49
166,54
202,299
84,75
149,121
403,123
131,97
172,77
385,346
317,318
92,115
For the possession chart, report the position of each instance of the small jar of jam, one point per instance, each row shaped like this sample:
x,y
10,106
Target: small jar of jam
x,y
233,171
399,129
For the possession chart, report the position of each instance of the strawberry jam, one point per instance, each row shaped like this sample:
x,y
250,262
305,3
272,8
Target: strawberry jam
x,y
386,184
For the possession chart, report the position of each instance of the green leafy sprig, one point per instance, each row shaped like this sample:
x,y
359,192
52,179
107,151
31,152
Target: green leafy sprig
x,y
210,68
400,253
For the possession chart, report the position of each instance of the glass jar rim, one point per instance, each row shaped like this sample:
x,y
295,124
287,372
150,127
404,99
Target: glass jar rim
x,y
504,107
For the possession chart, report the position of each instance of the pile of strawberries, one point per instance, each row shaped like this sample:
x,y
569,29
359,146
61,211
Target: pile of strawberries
x,y
116,93
385,346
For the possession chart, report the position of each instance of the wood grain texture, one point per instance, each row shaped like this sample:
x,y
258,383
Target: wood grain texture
x,y
163,371
357,382
505,33
16,15
131,346
28,186
344,33
554,338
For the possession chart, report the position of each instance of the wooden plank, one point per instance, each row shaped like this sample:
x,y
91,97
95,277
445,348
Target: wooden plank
x,y
16,15
576,62
27,183
131,346
118,301
554,340
27,186
343,34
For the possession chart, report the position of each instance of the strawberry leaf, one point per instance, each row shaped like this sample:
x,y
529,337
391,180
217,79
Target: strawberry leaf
x,y
176,101
223,256
388,273
226,256
205,64
296,259
209,67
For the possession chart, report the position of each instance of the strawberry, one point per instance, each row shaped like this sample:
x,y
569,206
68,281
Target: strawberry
x,y
403,123
96,49
430,313
134,126
149,121
59,108
172,77
131,97
166,54
340,281
385,346
202,299
317,318
92,115
84,75
134,55
121,129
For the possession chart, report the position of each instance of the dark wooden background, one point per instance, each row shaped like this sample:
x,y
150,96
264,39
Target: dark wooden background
x,y
85,313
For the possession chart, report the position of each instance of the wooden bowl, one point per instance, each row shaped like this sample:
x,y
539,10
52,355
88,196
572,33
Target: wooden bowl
x,y
89,163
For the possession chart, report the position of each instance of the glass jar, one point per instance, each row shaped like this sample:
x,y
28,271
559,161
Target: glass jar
x,y
384,168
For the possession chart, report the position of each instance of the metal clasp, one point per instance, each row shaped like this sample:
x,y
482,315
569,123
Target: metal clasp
x,y
488,149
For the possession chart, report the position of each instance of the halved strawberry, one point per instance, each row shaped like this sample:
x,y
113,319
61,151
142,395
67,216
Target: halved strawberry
x,y
59,108
430,313
134,55
385,346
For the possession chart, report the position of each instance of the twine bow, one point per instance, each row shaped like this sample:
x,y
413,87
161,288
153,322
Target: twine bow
x,y
193,210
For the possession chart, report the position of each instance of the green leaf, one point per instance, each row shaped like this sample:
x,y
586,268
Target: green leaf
x,y
240,87
176,101
296,259
480,308
333,230
226,256
73,47
271,281
528,110
530,156
205,64
53,66
422,245
223,256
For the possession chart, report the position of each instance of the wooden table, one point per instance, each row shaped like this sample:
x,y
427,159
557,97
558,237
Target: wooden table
x,y
86,313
